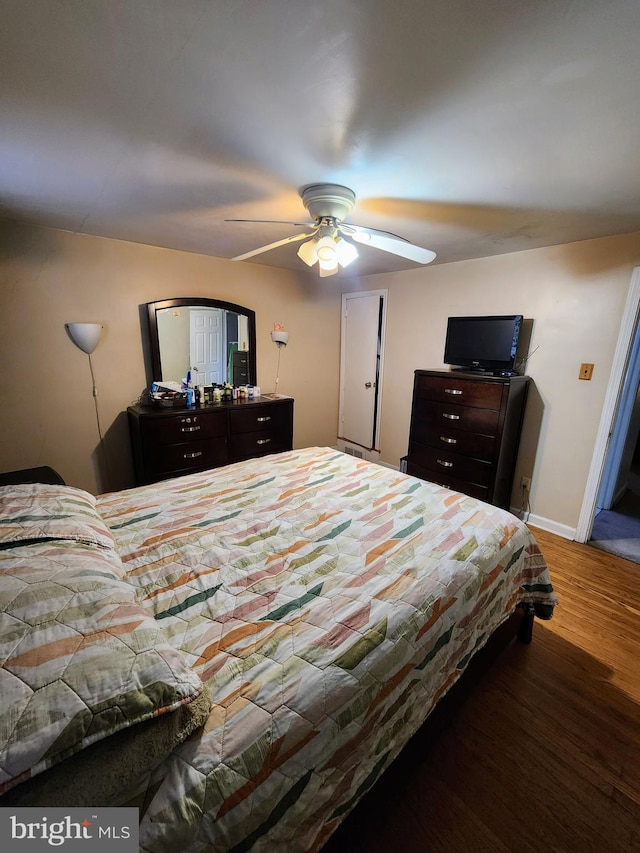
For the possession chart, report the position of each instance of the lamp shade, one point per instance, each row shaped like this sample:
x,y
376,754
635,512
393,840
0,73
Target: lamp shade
x,y
327,269
280,337
346,252
307,252
86,336
326,250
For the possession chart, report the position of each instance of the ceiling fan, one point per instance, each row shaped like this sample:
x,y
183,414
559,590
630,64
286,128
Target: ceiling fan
x,y
328,206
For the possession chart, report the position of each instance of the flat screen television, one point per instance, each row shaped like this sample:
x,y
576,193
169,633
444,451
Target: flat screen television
x,y
483,344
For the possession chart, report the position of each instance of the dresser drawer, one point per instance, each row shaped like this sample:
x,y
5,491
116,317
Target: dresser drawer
x,y
267,419
472,489
183,427
185,457
445,464
249,444
434,416
451,389
466,443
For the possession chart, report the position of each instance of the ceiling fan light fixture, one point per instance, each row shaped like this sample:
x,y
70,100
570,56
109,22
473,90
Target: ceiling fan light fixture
x,y
325,269
307,253
346,252
328,263
326,250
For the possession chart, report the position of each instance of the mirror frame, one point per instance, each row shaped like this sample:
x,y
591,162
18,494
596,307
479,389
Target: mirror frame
x,y
201,302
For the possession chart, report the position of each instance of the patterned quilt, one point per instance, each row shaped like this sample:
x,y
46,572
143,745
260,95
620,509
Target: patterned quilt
x,y
82,662
327,603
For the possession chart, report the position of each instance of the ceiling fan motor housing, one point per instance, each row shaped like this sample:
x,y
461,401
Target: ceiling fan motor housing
x,y
328,200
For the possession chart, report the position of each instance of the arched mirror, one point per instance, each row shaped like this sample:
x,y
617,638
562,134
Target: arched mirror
x,y
216,340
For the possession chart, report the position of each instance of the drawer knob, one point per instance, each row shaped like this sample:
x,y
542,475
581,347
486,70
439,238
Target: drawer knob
x,y
189,429
448,440
263,441
192,455
454,391
444,463
451,417
264,419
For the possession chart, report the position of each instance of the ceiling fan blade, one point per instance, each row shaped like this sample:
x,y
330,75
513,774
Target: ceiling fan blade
x,y
394,245
274,222
272,246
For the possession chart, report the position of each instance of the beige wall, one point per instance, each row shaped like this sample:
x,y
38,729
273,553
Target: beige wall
x,y
49,278
575,294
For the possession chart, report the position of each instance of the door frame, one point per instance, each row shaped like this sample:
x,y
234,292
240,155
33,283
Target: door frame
x,y
372,454
613,404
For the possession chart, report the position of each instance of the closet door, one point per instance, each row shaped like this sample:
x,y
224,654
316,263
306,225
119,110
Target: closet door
x,y
361,359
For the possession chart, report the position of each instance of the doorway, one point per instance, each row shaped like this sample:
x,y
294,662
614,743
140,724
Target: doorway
x,y
361,363
611,453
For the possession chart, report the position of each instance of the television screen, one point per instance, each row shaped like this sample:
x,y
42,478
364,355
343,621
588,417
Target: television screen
x,y
482,343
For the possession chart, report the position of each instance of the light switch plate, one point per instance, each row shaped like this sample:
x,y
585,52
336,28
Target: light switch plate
x,y
586,371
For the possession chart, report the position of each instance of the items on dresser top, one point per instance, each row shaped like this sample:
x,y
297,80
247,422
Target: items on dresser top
x,y
175,394
465,431
171,442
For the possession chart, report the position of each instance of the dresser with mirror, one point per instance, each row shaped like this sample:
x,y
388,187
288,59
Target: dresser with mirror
x,y
214,340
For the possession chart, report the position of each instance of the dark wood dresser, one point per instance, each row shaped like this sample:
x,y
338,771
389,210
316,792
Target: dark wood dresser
x,y
465,431
172,442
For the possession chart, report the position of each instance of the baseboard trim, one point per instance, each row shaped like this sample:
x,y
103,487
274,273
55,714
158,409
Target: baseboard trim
x,y
551,526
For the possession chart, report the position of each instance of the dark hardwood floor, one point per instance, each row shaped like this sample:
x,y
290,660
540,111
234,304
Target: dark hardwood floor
x,y
544,755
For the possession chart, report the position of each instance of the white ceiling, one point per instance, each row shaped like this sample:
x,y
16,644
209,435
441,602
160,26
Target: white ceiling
x,y
471,128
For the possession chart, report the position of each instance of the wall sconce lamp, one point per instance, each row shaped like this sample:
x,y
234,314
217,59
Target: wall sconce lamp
x,y
86,336
280,337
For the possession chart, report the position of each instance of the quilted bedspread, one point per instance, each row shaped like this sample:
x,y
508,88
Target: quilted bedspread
x,y
327,603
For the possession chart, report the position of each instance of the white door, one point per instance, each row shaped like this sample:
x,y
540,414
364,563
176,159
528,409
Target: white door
x,y
362,346
206,346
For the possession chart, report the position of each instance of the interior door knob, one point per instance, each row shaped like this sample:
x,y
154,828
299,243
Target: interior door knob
x,y
367,384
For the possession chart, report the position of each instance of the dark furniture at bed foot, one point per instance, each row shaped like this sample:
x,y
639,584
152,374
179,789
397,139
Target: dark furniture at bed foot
x,y
525,628
42,474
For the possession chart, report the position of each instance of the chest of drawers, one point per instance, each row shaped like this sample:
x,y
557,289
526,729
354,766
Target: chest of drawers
x,y
465,431
172,442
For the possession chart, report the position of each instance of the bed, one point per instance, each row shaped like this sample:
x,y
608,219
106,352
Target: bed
x,y
240,653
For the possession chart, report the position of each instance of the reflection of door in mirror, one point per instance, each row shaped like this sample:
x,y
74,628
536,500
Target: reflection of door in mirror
x,y
207,346
206,336
192,339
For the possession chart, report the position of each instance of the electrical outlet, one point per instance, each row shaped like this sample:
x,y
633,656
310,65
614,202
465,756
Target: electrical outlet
x,y
525,483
